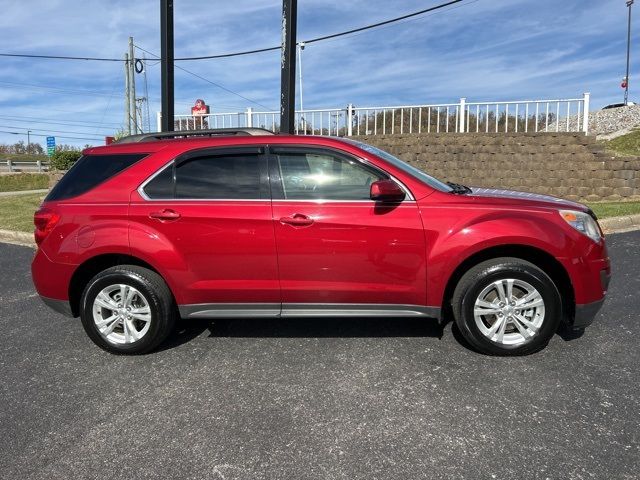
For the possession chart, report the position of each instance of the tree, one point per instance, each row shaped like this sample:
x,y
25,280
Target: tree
x,y
64,159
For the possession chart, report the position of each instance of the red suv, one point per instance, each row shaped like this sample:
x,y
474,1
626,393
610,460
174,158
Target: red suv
x,y
244,223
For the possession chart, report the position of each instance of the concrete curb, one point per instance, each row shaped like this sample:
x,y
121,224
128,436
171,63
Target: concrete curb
x,y
17,238
620,224
609,225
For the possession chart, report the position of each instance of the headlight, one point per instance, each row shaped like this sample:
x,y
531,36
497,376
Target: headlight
x,y
582,222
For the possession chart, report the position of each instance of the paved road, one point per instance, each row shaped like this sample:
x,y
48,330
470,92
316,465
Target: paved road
x,y
314,399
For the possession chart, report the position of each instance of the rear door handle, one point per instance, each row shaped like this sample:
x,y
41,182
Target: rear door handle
x,y
165,215
297,220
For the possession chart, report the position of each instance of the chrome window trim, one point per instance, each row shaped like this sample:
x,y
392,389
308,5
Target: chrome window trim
x,y
142,193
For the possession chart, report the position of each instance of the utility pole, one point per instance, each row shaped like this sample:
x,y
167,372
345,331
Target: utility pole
x,y
127,97
166,64
288,66
132,87
626,88
28,141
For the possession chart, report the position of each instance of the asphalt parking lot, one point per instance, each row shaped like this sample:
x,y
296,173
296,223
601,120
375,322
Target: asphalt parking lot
x,y
317,399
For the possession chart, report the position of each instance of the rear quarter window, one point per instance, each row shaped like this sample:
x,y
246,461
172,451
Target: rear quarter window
x,y
89,172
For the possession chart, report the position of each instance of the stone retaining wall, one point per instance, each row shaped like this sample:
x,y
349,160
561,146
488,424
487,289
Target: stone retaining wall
x,y
569,165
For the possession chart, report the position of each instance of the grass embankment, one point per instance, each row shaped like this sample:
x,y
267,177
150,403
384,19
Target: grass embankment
x,y
23,181
16,212
615,209
628,144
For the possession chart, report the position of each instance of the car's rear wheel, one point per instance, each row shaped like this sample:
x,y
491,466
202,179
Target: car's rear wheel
x,y
127,309
507,306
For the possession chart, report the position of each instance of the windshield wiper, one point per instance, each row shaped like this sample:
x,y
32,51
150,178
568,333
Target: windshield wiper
x,y
459,189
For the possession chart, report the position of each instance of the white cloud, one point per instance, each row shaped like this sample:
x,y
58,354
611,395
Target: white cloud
x,y
485,50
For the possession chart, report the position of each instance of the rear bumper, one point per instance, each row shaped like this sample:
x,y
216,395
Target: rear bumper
x,y
60,306
51,279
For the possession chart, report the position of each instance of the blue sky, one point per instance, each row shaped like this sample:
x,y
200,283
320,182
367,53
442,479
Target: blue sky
x,y
484,50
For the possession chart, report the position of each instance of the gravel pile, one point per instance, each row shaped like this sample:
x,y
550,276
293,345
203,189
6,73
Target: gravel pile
x,y
604,123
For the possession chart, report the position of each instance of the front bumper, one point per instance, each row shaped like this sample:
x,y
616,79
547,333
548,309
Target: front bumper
x,y
585,314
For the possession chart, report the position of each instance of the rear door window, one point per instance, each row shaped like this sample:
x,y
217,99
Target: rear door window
x,y
219,177
228,176
89,172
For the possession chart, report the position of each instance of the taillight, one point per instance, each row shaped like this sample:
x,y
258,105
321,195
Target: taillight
x,y
45,220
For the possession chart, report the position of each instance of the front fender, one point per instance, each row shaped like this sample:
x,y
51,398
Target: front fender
x,y
452,239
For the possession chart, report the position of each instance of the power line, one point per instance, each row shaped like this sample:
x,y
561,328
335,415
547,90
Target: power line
x,y
89,93
208,81
53,131
60,57
248,52
327,37
42,135
68,123
406,20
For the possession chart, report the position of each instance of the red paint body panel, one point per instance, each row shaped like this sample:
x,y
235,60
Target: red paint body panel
x,y
333,252
353,252
216,252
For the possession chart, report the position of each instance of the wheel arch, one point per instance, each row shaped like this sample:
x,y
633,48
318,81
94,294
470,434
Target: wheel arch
x,y
543,260
94,265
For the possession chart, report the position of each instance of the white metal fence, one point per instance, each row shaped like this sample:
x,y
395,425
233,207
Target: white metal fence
x,y
558,115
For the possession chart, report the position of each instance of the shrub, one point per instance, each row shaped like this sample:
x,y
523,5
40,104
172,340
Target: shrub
x,y
63,160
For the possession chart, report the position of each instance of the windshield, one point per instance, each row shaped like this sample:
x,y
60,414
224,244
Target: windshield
x,y
405,167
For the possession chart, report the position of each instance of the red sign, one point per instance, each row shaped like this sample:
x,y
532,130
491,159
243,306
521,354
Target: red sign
x,y
200,108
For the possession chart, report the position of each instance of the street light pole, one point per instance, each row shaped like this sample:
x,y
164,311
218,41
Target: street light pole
x,y
626,88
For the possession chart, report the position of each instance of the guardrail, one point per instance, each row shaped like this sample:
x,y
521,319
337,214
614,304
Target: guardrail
x,y
14,166
558,115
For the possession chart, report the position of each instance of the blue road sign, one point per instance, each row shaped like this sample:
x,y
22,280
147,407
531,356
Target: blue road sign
x,y
51,145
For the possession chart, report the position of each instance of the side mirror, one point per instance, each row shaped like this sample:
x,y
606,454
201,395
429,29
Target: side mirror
x,y
386,191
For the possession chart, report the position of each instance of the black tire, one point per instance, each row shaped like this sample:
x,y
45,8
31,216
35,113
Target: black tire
x,y
152,287
472,284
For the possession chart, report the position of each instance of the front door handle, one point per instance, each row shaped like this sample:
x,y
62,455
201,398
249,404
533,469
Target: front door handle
x,y
165,215
297,220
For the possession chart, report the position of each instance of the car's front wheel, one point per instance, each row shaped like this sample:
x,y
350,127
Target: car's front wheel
x,y
127,309
507,306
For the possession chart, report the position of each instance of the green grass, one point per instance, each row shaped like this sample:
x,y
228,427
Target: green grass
x,y
628,144
16,212
615,209
23,181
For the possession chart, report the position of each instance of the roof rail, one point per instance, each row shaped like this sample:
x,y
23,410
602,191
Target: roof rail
x,y
215,132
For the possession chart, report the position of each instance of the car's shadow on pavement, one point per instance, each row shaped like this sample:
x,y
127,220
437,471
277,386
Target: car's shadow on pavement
x,y
319,327
322,327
